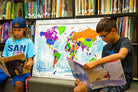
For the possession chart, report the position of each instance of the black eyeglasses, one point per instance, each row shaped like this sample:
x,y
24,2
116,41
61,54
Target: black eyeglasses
x,y
104,36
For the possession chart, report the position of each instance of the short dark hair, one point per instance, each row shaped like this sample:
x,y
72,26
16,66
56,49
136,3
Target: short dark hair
x,y
106,24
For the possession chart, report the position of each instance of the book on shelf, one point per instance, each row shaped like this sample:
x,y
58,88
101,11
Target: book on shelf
x,y
44,8
69,8
19,10
83,7
35,10
54,3
25,9
76,7
65,8
14,65
7,14
4,9
13,10
107,74
4,31
49,8
120,3
29,10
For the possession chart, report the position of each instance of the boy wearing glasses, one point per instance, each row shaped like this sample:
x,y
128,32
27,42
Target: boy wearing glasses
x,y
119,47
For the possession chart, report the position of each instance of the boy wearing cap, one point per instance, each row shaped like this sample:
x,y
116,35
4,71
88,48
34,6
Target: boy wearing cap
x,y
20,43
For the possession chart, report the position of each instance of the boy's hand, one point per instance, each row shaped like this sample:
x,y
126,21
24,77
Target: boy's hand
x,y
28,65
77,82
90,65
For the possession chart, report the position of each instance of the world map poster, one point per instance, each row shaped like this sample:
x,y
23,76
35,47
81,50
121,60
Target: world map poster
x,y
55,40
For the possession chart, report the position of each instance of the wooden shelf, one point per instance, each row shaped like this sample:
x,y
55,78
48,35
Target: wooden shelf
x,y
6,20
49,18
135,44
2,43
109,15
18,0
89,16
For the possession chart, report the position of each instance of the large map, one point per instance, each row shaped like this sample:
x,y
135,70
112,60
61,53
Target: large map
x,y
55,40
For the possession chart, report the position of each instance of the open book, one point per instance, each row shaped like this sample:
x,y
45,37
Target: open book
x,y
14,65
107,74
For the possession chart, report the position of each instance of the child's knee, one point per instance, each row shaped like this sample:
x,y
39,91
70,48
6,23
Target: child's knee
x,y
76,89
81,88
19,84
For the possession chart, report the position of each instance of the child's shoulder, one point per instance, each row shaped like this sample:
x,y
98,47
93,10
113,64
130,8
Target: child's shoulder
x,y
28,40
107,46
10,39
124,39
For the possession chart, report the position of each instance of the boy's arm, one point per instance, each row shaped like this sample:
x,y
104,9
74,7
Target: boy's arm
x,y
29,64
120,55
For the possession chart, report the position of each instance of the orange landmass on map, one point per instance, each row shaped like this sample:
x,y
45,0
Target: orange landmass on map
x,y
86,34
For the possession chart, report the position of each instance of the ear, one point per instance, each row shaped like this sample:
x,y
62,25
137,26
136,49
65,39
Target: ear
x,y
25,28
114,30
11,31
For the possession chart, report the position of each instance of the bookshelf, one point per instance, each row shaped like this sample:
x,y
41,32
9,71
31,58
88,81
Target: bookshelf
x,y
72,14
136,53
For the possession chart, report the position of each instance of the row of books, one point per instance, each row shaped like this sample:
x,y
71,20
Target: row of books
x,y
85,7
92,7
48,9
6,27
116,6
63,8
127,28
10,10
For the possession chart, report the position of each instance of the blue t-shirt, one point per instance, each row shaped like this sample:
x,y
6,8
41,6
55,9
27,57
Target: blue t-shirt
x,y
18,46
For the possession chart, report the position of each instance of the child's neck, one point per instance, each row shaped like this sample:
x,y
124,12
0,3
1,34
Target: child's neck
x,y
20,38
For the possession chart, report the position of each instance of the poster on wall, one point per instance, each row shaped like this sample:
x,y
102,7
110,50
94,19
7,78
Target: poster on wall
x,y
55,40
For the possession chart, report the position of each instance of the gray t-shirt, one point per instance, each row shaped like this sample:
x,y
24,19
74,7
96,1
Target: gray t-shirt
x,y
127,63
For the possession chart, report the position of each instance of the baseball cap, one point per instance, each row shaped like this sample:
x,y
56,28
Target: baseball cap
x,y
18,22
